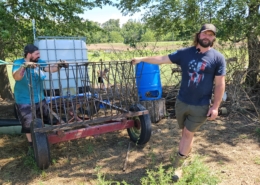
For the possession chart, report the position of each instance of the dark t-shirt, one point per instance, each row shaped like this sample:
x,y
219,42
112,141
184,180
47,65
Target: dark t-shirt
x,y
198,73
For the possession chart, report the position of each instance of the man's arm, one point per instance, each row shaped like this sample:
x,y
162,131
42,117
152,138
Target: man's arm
x,y
56,67
218,94
52,68
153,60
18,74
219,90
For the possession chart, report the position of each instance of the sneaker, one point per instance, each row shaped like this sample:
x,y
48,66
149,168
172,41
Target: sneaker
x,y
177,175
178,162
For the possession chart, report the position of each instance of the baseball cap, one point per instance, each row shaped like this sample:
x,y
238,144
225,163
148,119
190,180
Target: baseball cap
x,y
208,27
30,48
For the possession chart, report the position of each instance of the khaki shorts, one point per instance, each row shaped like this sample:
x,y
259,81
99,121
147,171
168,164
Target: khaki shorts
x,y
190,116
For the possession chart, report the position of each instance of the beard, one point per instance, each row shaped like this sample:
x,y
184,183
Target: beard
x,y
205,44
34,60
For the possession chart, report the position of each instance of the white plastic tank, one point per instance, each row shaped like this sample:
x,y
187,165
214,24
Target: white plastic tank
x,y
71,49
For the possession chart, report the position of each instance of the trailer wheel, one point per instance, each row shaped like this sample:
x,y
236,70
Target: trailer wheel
x,y
40,146
141,132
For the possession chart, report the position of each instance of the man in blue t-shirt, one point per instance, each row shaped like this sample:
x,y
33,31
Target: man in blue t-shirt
x,y
29,71
202,68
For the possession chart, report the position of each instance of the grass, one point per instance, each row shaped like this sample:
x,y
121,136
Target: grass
x,y
30,163
90,149
152,157
158,176
243,136
257,131
196,173
257,160
101,179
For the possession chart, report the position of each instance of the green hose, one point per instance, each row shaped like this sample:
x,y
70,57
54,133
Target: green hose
x,y
11,130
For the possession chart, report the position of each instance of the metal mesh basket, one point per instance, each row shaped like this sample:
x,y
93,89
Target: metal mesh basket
x,y
76,96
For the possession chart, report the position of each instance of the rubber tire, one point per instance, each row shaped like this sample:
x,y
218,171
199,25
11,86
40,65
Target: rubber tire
x,y
90,110
40,146
134,133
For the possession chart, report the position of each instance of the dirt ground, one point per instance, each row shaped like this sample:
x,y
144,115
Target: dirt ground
x,y
229,146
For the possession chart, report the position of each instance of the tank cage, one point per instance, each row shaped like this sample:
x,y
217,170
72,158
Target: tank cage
x,y
77,98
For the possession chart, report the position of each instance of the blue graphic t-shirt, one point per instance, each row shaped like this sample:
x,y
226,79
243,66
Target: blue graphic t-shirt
x,y
198,73
22,92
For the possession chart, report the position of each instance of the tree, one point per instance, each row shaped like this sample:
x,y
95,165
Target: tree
x,y
240,21
112,29
93,32
115,37
148,36
236,20
132,32
53,18
111,25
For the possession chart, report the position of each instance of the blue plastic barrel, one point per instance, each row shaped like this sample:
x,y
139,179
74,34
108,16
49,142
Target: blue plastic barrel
x,y
148,81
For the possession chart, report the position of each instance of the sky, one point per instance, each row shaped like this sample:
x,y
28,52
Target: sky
x,y
106,13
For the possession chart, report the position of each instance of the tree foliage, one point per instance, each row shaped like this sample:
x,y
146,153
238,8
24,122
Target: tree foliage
x,y
148,36
115,37
111,25
52,17
236,20
132,32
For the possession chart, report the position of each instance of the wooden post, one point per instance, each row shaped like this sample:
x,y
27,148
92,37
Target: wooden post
x,y
156,108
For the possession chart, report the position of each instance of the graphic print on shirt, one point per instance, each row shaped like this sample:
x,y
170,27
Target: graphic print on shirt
x,y
196,72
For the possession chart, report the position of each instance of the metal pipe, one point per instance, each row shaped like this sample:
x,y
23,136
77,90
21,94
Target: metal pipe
x,y
9,122
10,126
11,130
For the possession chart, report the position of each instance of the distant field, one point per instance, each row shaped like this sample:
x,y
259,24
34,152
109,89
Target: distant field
x,y
172,45
122,52
148,45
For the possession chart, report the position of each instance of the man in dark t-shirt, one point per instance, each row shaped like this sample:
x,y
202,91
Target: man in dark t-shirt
x,y
198,73
202,67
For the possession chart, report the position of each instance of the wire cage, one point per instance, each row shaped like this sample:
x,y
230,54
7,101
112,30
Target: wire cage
x,y
84,99
77,97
